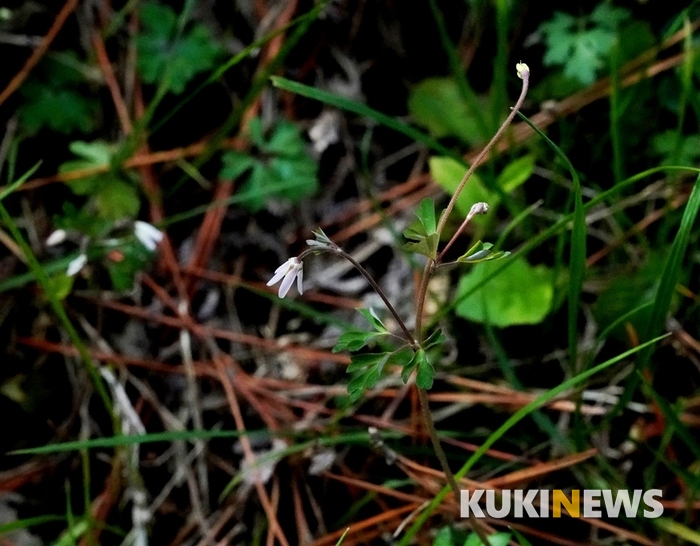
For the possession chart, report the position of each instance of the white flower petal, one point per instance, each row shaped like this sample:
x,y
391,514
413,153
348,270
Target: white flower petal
x,y
287,283
76,265
277,277
300,279
149,235
56,238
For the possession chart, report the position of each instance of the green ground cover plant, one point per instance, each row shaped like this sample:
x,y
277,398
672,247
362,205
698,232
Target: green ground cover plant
x,y
299,272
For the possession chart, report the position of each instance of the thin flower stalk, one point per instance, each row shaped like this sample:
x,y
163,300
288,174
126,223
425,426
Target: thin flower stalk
x,y
524,74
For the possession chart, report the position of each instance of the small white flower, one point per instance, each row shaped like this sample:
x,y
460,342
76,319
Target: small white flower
x,y
56,238
149,235
76,265
287,272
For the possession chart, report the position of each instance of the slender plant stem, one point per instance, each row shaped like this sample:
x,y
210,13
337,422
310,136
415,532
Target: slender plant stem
x,y
487,148
428,418
428,271
449,475
422,294
381,293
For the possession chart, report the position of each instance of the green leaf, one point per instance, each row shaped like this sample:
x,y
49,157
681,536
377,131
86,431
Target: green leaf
x,y
83,221
235,164
61,285
481,252
409,367
284,171
426,372
93,155
61,110
366,369
56,97
582,44
521,294
444,537
675,150
116,199
434,339
373,319
134,257
448,173
496,539
161,56
516,173
353,340
436,103
423,231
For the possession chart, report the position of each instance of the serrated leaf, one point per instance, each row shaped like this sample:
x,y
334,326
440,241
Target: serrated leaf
x,y
366,369
285,140
55,97
367,359
285,171
353,340
582,44
520,294
160,56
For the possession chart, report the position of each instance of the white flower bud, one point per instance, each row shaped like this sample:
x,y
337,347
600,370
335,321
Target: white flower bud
x,y
76,265
522,70
56,238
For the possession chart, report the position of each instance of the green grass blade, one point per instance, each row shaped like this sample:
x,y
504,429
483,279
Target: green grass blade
x,y
7,190
664,294
186,435
577,263
510,423
679,530
363,110
29,522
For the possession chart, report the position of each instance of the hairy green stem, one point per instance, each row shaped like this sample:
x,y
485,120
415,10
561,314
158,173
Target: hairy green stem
x,y
482,154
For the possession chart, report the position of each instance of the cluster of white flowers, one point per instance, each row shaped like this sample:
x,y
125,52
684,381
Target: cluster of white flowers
x,y
148,235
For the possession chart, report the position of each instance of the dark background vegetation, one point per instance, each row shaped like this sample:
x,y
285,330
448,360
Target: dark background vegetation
x,y
219,193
